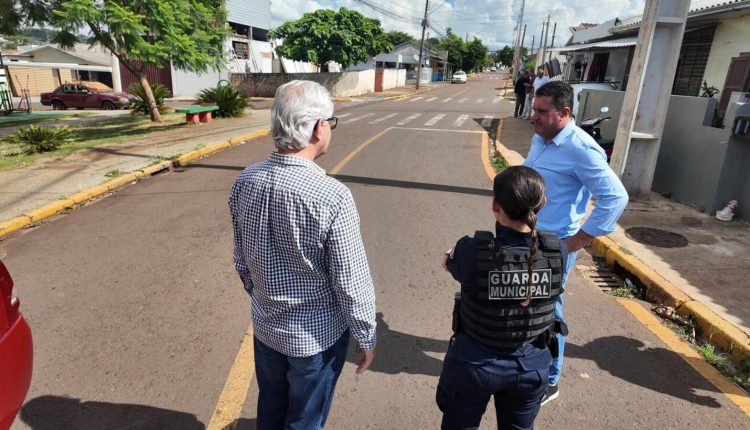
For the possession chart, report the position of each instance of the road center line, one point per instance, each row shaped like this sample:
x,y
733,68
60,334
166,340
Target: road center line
x,y
337,168
232,397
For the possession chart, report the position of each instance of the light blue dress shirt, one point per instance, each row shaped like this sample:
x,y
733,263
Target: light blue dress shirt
x,y
574,168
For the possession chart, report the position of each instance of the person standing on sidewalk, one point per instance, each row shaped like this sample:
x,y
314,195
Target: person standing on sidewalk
x,y
540,79
504,320
574,168
526,114
299,253
520,90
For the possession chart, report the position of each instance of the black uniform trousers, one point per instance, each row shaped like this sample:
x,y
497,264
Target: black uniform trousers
x,y
473,372
520,104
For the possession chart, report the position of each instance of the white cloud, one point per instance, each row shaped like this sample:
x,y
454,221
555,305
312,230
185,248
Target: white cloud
x,y
492,21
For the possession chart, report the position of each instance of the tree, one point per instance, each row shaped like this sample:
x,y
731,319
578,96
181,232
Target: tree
x,y
344,36
505,55
398,37
140,33
476,53
455,46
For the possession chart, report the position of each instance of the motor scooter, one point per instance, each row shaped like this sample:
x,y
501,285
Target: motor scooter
x,y
592,127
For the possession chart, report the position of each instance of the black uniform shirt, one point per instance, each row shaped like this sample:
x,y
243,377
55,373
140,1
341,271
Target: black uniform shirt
x,y
463,263
520,86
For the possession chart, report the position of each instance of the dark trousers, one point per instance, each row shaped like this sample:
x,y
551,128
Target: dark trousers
x,y
296,392
474,372
520,103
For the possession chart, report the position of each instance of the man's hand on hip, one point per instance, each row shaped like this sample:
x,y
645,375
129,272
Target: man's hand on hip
x,y
366,361
578,241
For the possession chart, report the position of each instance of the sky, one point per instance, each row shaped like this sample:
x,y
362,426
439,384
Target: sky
x,y
492,21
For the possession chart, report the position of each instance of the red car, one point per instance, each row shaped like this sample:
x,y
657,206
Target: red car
x,y
81,95
16,352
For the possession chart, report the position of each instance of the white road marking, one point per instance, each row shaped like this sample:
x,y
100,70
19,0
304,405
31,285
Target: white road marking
x,y
448,99
383,118
435,119
359,117
410,119
496,100
463,99
343,115
431,99
460,120
416,98
480,100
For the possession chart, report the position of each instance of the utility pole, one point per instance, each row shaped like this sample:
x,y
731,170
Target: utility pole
x,y
523,41
421,44
518,37
544,47
541,38
552,45
533,40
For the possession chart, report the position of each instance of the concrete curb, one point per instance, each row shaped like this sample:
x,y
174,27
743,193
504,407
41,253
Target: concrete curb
x,y
50,209
658,289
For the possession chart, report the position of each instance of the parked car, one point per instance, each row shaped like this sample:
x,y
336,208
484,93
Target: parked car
x,y
459,77
85,94
493,69
577,88
16,352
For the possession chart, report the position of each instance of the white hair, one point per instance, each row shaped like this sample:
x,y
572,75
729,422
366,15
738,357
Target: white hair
x,y
297,107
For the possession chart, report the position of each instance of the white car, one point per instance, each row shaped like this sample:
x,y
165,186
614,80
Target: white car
x,y
493,69
459,77
577,88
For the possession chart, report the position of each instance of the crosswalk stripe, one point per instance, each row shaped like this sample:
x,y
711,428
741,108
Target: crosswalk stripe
x,y
480,100
343,115
496,100
463,99
448,99
431,99
410,119
383,118
416,98
486,120
360,117
435,119
460,120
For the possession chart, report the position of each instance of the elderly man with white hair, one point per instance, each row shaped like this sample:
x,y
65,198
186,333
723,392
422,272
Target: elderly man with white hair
x,y
299,253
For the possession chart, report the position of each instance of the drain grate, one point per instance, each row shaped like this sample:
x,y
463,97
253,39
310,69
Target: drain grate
x,y
601,277
656,237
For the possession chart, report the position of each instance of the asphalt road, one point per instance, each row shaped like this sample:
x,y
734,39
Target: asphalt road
x,y
138,315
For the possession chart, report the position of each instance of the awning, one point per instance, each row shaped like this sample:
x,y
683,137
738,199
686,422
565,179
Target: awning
x,y
71,66
614,43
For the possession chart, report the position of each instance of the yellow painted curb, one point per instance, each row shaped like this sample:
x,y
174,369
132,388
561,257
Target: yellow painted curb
x,y
86,195
717,330
14,224
50,209
150,170
119,182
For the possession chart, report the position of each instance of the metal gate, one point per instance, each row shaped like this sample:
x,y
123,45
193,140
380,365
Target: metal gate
x,y
378,80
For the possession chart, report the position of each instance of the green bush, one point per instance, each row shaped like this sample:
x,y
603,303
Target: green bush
x,y
140,105
230,102
40,138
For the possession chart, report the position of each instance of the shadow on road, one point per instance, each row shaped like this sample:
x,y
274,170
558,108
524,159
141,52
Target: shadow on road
x,y
412,184
61,413
399,352
631,361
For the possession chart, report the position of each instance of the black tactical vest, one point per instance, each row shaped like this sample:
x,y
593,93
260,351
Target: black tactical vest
x,y
491,310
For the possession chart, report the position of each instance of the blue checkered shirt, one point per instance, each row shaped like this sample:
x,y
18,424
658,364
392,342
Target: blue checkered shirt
x,y
299,253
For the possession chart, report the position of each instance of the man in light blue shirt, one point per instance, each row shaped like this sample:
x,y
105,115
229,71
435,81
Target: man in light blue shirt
x,y
574,168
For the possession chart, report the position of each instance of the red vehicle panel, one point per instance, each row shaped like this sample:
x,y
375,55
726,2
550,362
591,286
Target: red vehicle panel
x,y
16,352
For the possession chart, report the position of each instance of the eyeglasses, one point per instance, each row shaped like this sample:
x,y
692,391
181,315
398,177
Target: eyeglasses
x,y
332,121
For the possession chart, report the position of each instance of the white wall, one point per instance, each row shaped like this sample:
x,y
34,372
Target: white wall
x,y
354,84
731,38
393,78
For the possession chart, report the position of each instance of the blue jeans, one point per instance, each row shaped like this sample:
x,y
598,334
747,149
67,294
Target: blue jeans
x,y
569,262
296,392
474,372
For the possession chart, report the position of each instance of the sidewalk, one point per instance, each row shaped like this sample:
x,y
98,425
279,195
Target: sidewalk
x,y
702,270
